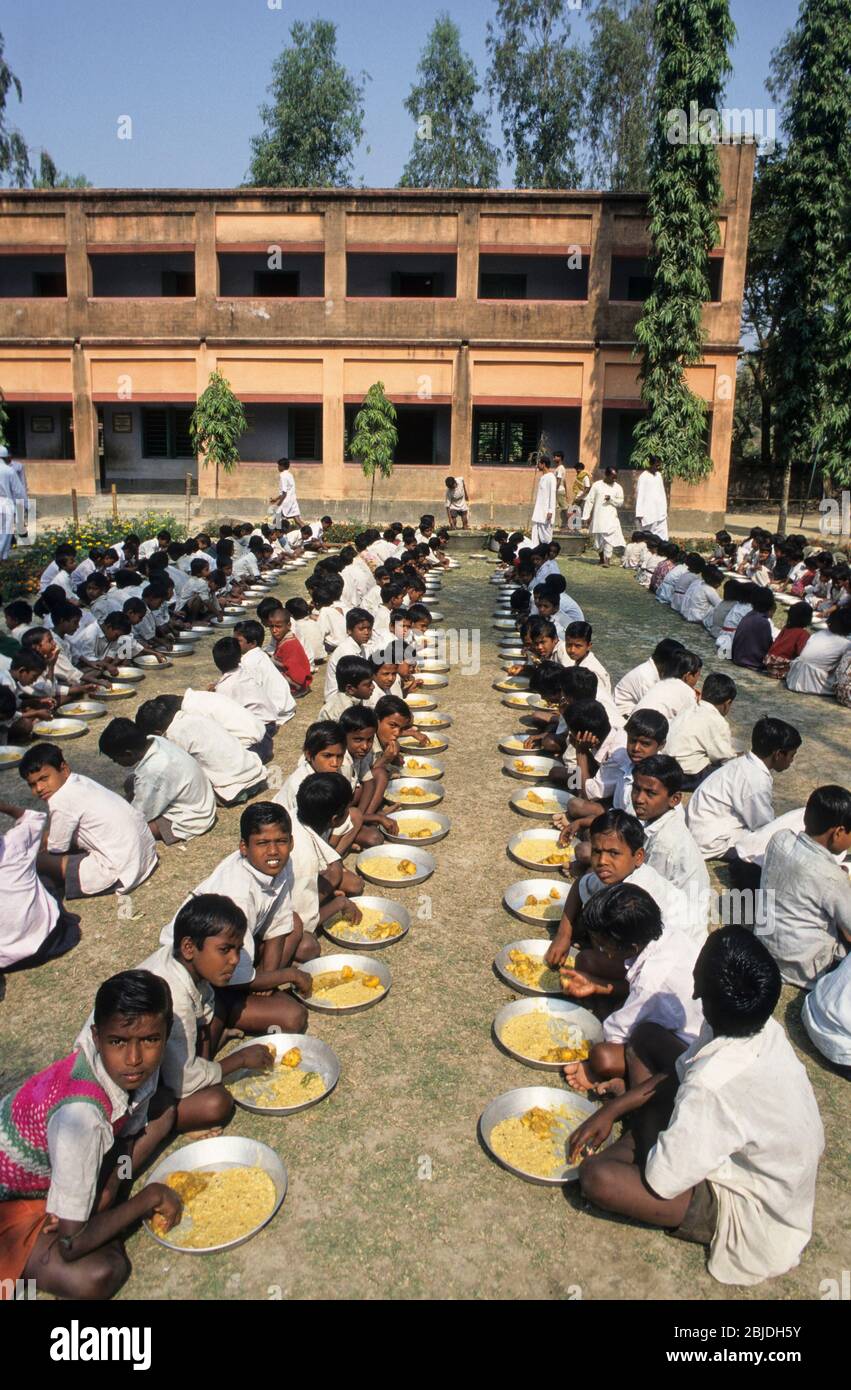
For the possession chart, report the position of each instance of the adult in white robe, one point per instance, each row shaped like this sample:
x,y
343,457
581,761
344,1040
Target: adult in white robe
x,y
601,513
651,501
543,514
286,503
12,491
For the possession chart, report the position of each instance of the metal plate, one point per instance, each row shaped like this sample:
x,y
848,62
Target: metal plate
x,y
322,965
555,793
522,701
11,757
229,620
203,629
210,1156
84,709
540,766
147,660
436,720
425,862
512,683
432,680
393,910
434,791
587,1027
129,675
436,744
430,663
545,835
435,616
420,701
404,817
235,610
513,742
505,624
406,770
515,895
530,946
515,1103
315,1056
60,729
117,691
182,649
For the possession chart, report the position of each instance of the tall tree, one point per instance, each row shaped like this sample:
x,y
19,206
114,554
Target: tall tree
x,y
49,176
217,424
451,146
14,155
538,76
810,352
692,37
375,437
314,122
621,76
762,282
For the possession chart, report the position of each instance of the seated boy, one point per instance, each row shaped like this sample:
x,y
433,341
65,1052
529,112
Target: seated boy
x,y
577,643
683,585
34,928
701,598
755,633
355,686
669,846
739,795
643,968
699,737
234,773
96,842
366,773
677,690
708,1154
637,682
826,1015
289,655
117,643
61,678
610,784
809,926
258,878
356,643
62,1133
168,788
306,628
320,881
257,664
196,601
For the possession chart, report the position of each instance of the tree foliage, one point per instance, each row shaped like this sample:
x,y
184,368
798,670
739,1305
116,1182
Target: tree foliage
x,y
538,76
217,424
762,280
451,147
622,63
49,176
314,122
692,38
14,154
375,436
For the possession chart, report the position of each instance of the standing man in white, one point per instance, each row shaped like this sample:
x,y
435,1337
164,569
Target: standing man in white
x,y
12,491
651,500
601,511
561,487
286,502
544,511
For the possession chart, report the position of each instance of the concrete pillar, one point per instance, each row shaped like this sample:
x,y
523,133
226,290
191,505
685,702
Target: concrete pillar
x,y
468,254
206,269
333,421
85,423
462,417
335,267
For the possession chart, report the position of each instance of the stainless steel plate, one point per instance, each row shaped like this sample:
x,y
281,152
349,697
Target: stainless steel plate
x,y
513,743
436,744
51,729
515,897
387,906
420,701
511,684
399,786
408,770
10,757
129,674
322,965
146,661
432,680
530,946
315,1056
210,1156
84,709
430,663
119,690
520,700
428,722
543,836
182,649
505,624
425,862
516,1103
403,818
539,766
584,1026
545,792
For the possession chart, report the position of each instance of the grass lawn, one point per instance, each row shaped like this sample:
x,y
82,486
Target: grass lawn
x,y
391,1195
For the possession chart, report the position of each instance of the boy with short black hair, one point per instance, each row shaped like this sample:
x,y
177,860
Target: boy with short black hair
x,y
699,737
260,667
234,773
577,642
739,795
169,789
669,847
355,686
677,690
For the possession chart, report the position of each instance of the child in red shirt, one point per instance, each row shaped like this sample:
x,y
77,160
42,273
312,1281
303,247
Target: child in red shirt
x,y
790,642
289,655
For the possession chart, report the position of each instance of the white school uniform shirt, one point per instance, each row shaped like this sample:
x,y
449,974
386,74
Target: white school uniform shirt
x,y
826,1014
266,902
332,625
195,586
148,547
752,846
814,671
110,602
634,554
89,818
661,986
308,633
668,697
568,612
310,855
48,576
673,903
809,911
651,501
242,689
746,1120
348,647
120,649
228,764
666,588
79,1136
613,777
29,912
146,628
733,799
590,662
178,579
245,566
82,572
245,726
699,601
670,849
699,735
288,505
274,685
634,685
287,795
169,782
681,587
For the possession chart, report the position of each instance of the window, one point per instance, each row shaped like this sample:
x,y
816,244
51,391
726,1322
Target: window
x,y
306,433
417,429
505,437
165,433
501,285
178,284
716,278
14,431
49,284
409,284
631,278
277,284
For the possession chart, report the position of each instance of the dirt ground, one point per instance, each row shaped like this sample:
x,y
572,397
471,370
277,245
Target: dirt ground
x,y
391,1194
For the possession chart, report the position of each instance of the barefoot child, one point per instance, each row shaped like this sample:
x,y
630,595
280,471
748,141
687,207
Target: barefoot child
x,y
169,789
234,773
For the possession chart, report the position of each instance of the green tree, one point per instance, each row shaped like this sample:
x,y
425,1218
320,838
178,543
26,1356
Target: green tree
x,y
49,176
217,424
451,147
809,357
759,300
314,122
692,38
14,155
621,75
538,76
375,437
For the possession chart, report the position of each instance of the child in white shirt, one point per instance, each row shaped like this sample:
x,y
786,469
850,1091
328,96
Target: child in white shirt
x,y
168,788
739,795
235,774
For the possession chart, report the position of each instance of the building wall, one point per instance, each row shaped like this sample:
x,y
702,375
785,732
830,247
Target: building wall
x,y
460,352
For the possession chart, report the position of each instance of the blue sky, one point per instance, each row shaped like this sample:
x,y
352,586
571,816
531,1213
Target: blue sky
x,y
192,73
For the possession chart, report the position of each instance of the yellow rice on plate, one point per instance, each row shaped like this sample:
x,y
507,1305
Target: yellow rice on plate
x,y
547,852
549,909
413,743
419,828
533,971
543,805
222,1206
285,1085
346,987
544,1038
420,768
536,1141
385,867
373,926
417,795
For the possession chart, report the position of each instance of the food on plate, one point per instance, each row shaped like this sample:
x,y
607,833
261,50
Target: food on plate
x,y
384,866
533,971
344,988
373,926
221,1206
287,1084
536,1142
542,852
542,1037
544,805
